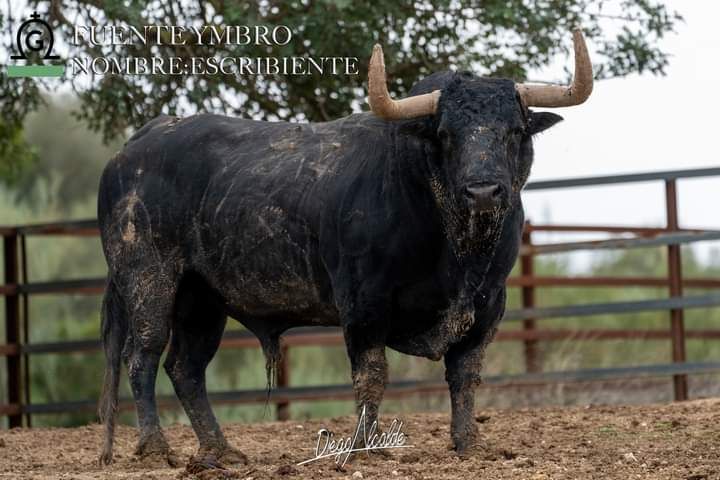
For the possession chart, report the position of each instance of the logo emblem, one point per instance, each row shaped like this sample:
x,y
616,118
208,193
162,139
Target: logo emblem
x,y
35,36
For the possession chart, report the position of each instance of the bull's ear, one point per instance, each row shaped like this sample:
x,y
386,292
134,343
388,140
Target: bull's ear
x,y
541,121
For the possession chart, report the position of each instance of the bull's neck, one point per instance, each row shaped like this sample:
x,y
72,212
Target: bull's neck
x,y
408,170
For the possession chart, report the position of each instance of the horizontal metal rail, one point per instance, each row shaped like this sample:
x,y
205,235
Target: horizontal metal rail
x,y
537,249
621,243
90,228
96,286
87,286
611,229
75,228
604,281
328,336
619,179
315,335
697,301
394,389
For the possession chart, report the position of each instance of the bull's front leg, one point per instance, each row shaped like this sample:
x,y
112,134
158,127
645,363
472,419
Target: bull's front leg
x,y
369,375
365,331
463,367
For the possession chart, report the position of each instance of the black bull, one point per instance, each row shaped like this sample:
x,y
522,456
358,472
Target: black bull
x,y
385,228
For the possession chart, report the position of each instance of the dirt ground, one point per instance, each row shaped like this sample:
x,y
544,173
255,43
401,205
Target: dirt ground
x,y
675,441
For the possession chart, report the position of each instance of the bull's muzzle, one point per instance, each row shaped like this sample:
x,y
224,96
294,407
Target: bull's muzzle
x,y
485,197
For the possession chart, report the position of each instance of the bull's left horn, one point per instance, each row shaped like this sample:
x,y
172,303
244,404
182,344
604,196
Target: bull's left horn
x,y
385,107
563,96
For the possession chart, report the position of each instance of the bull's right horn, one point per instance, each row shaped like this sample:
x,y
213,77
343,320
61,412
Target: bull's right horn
x,y
385,107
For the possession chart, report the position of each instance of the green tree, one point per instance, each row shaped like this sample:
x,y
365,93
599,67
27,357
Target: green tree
x,y
64,179
509,38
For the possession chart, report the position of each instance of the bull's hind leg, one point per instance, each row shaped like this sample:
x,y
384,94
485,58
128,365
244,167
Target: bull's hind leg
x,y
150,296
197,328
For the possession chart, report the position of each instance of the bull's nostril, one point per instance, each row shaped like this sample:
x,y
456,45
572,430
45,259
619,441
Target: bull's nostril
x,y
488,191
483,196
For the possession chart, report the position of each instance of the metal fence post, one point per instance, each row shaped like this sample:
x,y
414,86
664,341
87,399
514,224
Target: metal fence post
x,y
12,326
27,385
527,270
283,380
677,324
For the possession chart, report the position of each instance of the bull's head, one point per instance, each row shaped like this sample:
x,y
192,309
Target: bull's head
x,y
483,126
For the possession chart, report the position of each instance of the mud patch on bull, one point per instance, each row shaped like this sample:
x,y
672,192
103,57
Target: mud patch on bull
x,y
452,326
129,234
270,223
170,124
285,144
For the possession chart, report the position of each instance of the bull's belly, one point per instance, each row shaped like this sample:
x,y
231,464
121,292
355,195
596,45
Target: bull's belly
x,y
274,277
253,294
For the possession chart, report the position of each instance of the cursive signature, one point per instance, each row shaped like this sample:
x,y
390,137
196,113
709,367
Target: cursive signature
x,y
328,446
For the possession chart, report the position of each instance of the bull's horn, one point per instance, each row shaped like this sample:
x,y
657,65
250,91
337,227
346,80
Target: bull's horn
x,y
558,95
385,107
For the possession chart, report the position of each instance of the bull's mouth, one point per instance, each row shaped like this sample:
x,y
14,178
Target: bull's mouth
x,y
485,224
478,234
470,232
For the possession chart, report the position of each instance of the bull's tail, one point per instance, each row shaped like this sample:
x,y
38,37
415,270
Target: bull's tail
x,y
114,332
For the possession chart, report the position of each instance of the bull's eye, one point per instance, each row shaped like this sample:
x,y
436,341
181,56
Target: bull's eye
x,y
443,134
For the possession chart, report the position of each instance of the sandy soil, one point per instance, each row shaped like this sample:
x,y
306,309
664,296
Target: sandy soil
x,y
677,441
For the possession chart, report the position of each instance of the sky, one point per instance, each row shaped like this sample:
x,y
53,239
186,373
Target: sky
x,y
640,123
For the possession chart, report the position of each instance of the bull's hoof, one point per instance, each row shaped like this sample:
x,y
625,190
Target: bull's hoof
x,y
478,450
233,456
217,458
154,449
468,451
470,446
200,463
106,458
160,459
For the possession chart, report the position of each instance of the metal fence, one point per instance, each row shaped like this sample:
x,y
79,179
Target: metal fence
x,y
18,288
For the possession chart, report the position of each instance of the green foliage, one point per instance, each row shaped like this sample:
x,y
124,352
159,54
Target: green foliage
x,y
499,38
61,169
18,98
68,162
16,155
